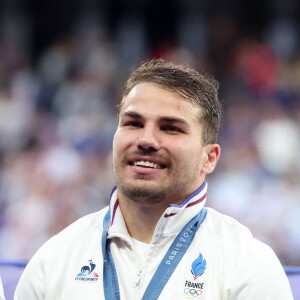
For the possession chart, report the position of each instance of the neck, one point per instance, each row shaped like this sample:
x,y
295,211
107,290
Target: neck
x,y
141,219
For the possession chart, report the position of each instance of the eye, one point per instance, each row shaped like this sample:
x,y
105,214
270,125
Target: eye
x,y
133,124
171,129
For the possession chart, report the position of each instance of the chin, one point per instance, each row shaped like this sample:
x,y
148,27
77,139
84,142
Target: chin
x,y
144,193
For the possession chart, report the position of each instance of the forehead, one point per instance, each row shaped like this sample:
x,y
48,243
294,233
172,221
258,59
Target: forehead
x,y
151,98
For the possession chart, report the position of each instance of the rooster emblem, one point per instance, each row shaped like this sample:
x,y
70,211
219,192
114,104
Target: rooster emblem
x,y
87,271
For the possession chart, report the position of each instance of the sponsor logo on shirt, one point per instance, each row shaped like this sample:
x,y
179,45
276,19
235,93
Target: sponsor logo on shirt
x,y
193,289
87,274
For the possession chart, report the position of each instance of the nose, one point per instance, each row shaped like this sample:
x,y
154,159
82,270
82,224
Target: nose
x,y
148,139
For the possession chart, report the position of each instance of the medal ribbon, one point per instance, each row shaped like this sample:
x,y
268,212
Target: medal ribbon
x,y
164,270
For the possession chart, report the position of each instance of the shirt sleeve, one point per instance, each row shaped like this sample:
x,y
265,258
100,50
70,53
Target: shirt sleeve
x,y
1,291
261,275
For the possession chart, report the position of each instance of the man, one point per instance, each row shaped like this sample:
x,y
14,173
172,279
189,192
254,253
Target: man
x,y
156,240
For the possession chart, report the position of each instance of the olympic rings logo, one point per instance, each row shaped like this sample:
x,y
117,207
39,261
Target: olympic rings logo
x,y
192,293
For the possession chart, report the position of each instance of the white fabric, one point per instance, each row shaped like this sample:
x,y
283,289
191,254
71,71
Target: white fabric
x,y
238,266
1,291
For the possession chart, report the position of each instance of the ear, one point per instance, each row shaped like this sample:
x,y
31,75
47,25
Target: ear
x,y
211,156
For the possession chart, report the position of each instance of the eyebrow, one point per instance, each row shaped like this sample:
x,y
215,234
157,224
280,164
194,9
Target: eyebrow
x,y
131,115
136,115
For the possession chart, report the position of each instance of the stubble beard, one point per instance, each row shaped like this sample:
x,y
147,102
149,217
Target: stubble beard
x,y
141,191
138,189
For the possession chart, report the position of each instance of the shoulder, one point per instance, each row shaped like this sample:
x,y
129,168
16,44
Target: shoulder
x,y
89,223
61,257
80,236
230,233
252,264
225,226
82,229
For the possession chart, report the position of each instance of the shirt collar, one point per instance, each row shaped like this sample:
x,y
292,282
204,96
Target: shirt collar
x,y
172,220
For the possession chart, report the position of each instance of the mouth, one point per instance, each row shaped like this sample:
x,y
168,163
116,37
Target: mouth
x,y
147,164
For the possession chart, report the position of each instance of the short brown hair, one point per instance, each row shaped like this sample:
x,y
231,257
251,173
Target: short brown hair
x,y
200,89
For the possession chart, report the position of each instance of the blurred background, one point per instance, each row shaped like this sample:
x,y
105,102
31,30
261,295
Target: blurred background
x,y
62,67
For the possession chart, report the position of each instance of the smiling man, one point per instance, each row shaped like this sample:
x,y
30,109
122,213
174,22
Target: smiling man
x,y
156,240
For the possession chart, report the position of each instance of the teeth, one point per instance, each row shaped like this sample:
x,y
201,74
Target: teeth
x,y
146,164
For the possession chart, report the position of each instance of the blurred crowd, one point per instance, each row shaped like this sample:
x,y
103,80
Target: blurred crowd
x,y
58,117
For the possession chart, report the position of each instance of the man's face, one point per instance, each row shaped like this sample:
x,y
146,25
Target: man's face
x,y
157,150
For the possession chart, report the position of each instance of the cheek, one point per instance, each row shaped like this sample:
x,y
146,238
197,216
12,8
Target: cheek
x,y
116,145
118,138
121,141
182,153
190,155
184,147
